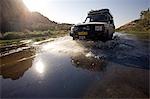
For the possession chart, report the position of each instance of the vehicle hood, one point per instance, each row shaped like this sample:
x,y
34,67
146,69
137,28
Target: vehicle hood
x,y
90,23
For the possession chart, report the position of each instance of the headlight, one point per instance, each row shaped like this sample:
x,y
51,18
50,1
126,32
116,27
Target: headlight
x,y
98,28
75,28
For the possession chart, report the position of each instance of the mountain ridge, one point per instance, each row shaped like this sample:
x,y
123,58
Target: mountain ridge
x,y
16,17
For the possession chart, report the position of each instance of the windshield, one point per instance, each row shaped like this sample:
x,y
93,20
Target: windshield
x,y
98,18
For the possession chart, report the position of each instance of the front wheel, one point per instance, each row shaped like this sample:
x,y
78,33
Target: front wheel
x,y
110,36
74,38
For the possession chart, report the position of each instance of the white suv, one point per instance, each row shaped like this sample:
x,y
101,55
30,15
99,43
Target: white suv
x,y
99,25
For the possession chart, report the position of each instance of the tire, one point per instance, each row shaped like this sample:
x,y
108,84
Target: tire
x,y
106,36
110,37
74,38
70,34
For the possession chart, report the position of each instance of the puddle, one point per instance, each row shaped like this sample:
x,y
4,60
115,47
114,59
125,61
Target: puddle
x,y
65,68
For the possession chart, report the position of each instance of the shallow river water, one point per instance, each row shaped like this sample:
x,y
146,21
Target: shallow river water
x,y
66,68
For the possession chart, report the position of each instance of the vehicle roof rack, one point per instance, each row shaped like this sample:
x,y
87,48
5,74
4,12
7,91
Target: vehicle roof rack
x,y
101,11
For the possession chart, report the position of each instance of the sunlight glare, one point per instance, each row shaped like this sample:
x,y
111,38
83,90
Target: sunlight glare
x,y
35,5
39,67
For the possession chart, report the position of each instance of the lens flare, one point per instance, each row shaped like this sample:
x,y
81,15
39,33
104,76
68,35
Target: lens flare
x,y
34,5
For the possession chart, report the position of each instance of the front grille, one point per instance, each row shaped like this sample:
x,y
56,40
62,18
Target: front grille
x,y
91,28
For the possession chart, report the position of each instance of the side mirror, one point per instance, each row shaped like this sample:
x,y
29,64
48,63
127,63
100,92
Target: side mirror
x,y
111,21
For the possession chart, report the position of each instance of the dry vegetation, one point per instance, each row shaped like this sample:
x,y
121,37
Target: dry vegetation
x,y
18,23
139,27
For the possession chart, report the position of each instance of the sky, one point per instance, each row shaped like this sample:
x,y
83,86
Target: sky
x,y
75,11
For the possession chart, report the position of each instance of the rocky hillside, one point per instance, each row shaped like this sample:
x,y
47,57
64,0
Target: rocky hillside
x,y
13,15
139,25
37,21
16,17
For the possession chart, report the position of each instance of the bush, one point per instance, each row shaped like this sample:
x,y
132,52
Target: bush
x,y
13,35
39,39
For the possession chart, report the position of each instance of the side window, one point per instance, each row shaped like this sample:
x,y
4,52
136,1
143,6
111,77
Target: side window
x,y
91,19
87,20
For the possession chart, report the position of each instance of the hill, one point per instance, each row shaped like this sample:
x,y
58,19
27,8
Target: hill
x,y
140,27
15,17
37,21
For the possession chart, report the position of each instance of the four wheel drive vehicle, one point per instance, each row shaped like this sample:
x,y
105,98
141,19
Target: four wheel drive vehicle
x,y
99,25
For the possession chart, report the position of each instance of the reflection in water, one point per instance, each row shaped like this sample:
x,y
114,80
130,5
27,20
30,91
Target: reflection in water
x,y
39,66
17,70
15,65
89,62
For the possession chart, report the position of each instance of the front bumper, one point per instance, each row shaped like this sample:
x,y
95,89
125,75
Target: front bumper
x,y
90,32
89,36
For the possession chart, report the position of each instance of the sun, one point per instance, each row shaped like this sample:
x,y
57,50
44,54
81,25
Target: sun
x,y
34,5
